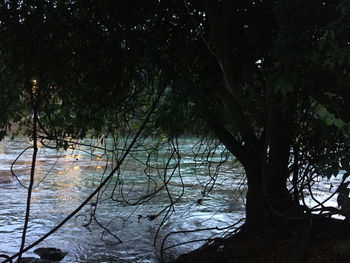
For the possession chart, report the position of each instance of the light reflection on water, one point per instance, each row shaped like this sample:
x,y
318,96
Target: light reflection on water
x,y
65,178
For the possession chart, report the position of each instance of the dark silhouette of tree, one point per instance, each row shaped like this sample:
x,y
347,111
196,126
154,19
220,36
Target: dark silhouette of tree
x,y
269,80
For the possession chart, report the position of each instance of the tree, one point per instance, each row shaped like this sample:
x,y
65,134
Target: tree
x,y
268,79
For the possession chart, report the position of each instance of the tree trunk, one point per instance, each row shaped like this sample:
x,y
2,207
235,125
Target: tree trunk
x,y
268,202
265,161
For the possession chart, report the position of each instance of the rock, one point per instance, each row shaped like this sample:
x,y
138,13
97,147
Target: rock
x,y
33,260
50,253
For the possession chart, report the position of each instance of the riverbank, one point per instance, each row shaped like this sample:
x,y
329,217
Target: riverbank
x,y
321,240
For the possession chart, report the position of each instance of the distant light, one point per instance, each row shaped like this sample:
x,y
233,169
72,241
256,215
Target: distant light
x,y
35,85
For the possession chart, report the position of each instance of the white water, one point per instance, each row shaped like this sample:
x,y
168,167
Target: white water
x,y
65,178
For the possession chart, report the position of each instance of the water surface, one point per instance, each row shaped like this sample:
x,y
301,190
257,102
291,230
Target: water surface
x,y
65,178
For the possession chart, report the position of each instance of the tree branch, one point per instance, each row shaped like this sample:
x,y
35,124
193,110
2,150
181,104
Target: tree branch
x,y
32,171
232,144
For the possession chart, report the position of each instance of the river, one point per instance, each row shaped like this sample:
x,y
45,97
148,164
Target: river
x,y
64,178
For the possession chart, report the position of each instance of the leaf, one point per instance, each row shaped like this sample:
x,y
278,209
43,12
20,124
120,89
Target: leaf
x,y
331,34
345,163
322,111
329,117
329,121
339,123
285,86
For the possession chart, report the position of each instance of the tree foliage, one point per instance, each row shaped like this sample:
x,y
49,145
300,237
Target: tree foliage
x,y
269,79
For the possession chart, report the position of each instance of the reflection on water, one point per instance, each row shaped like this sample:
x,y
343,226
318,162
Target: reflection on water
x,y
64,179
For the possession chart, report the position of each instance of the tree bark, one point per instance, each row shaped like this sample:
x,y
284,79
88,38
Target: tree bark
x,y
268,202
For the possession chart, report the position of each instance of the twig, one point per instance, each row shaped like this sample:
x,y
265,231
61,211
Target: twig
x,y
32,173
53,230
14,162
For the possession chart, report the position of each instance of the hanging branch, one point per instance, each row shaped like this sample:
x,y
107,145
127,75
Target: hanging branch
x,y
98,189
14,163
32,171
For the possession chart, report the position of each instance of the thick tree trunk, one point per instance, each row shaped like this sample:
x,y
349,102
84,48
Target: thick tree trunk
x,y
268,202
256,205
